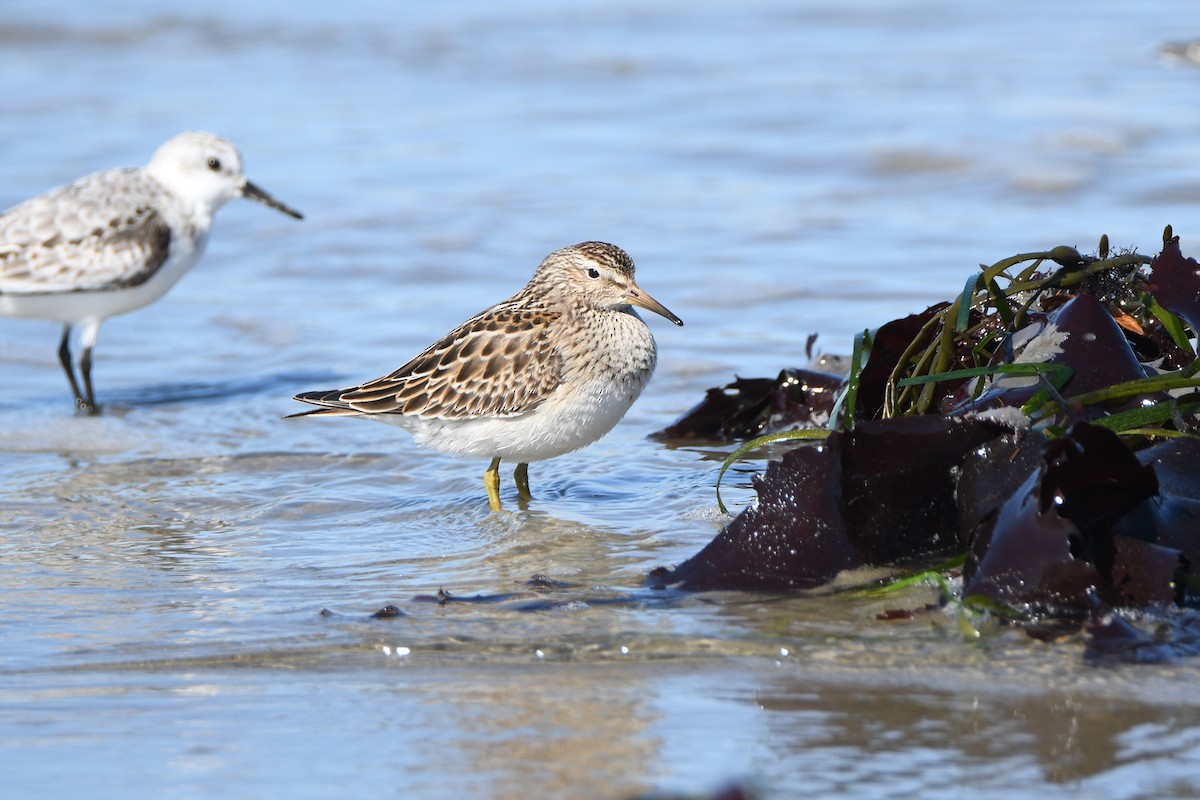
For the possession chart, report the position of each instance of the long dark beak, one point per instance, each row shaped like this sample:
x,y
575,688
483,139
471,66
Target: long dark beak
x,y
637,297
252,192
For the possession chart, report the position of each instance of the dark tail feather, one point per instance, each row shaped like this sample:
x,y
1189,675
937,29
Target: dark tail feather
x,y
330,401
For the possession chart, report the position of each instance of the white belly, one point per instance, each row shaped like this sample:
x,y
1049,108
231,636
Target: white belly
x,y
557,426
607,375
72,308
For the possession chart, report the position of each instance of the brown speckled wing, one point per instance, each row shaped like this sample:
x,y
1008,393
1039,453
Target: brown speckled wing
x,y
96,234
498,364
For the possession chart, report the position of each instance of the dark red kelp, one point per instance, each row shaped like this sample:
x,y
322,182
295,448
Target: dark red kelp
x,y
882,493
1175,283
1172,518
1053,519
1056,538
751,407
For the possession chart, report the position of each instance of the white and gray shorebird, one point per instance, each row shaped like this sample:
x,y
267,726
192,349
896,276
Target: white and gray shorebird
x,y
116,240
545,372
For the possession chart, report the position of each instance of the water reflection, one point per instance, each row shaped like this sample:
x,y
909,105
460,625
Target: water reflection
x,y
990,740
542,731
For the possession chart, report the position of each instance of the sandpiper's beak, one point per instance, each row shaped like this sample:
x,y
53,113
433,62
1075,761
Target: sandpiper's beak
x,y
252,192
637,297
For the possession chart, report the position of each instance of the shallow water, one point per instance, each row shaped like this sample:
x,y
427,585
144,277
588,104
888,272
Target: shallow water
x,y
188,581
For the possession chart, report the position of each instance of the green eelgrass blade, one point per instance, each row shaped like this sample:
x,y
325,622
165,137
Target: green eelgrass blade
x,y
966,628
1000,300
1172,324
1135,420
919,577
756,443
965,301
1161,433
1132,418
848,399
978,602
1040,368
1166,382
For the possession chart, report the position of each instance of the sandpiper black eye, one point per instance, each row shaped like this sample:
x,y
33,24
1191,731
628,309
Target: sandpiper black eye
x,y
214,165
593,272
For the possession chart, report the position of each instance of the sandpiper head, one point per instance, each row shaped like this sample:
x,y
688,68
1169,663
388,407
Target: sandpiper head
x,y
601,276
207,170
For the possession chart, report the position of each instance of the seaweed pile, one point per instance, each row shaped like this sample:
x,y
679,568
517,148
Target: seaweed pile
x,y
1040,430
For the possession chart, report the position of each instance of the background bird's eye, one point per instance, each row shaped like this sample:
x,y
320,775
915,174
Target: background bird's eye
x,y
593,272
214,165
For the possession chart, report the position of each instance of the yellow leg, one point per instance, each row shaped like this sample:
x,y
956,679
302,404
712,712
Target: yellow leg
x,y
491,480
521,477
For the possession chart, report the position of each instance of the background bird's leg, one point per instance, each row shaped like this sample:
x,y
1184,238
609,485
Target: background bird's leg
x,y
64,358
491,480
88,403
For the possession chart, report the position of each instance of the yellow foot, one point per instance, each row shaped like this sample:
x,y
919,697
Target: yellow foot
x,y
521,478
491,480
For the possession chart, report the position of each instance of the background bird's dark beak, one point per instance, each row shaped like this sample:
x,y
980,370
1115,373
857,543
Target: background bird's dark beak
x,y
252,192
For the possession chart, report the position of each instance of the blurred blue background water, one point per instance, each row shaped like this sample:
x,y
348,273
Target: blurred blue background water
x,y
775,168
